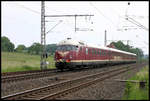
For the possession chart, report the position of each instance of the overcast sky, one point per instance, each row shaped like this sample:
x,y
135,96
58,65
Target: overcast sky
x,y
21,22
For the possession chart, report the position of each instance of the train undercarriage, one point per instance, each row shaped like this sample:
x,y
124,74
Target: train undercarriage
x,y
73,65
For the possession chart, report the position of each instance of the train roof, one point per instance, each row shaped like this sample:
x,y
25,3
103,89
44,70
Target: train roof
x,y
111,49
70,41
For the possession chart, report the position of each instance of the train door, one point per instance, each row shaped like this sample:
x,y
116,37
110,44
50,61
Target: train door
x,y
109,56
81,55
86,54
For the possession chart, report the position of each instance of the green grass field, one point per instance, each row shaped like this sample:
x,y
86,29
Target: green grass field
x,y
11,62
133,91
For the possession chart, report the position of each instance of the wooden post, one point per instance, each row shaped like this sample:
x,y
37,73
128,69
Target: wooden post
x,y
142,84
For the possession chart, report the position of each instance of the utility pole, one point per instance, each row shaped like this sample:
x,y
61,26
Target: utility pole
x,y
43,37
105,39
84,15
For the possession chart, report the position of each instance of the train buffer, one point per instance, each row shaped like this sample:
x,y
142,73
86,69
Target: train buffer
x,y
142,83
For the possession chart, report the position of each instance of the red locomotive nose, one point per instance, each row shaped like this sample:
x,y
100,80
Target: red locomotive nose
x,y
58,56
61,55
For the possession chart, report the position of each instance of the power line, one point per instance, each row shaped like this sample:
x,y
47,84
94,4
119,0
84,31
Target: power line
x,y
101,13
136,23
29,9
54,26
75,16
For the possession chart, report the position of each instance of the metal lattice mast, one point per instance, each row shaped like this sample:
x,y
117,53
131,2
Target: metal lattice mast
x,y
43,37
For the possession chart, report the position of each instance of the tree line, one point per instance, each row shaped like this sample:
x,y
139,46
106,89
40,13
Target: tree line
x,y
35,48
121,46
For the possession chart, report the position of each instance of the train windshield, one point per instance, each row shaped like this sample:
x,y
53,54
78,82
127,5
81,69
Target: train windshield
x,y
66,48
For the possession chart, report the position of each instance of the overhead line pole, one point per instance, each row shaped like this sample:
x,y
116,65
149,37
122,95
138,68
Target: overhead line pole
x,y
43,37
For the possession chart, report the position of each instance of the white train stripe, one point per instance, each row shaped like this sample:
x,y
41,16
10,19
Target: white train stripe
x,y
98,60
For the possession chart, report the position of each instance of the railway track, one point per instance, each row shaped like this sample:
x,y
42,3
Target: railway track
x,y
18,76
24,72
60,89
25,75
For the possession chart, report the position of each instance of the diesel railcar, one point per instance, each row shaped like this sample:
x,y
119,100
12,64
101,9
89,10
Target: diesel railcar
x,y
72,54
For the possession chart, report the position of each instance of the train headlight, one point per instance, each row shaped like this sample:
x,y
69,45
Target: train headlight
x,y
67,60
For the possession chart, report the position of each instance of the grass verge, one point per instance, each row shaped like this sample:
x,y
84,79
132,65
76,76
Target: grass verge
x,y
12,62
133,90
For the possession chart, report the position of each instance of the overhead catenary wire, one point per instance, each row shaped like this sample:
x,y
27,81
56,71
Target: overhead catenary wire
x,y
102,14
135,22
29,9
54,26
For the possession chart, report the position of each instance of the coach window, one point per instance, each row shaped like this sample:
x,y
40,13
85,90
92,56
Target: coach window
x,y
81,49
104,52
99,52
93,51
90,51
86,50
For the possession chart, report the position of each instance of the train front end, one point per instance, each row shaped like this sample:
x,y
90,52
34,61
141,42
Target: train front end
x,y
64,56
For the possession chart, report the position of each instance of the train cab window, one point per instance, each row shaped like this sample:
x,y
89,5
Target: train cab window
x,y
58,48
66,48
74,47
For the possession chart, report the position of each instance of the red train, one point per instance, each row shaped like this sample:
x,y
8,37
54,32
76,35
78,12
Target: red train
x,y
72,54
